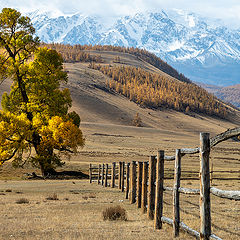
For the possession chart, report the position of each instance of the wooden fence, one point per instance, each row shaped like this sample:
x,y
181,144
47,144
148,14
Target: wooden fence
x,y
145,185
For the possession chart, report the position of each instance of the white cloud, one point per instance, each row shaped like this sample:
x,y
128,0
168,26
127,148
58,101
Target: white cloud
x,y
226,10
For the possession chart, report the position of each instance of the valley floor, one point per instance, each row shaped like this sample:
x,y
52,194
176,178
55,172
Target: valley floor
x,y
78,212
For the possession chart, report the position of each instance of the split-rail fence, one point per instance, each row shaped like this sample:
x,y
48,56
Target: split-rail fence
x,y
143,184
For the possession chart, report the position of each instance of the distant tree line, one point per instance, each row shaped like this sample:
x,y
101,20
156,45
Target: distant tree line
x,y
76,53
158,91
71,54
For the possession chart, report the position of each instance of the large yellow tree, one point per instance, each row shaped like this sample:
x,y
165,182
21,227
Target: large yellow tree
x,y
35,125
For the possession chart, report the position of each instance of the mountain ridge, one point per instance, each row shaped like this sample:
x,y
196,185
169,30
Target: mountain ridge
x,y
201,49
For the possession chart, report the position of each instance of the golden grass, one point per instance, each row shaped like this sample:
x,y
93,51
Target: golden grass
x,y
74,218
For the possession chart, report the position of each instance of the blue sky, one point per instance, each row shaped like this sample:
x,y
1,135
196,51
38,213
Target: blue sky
x,y
227,10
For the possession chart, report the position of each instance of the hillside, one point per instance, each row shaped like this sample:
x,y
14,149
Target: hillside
x,y
153,90
230,94
98,104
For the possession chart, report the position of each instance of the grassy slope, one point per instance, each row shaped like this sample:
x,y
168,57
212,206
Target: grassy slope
x,y
229,94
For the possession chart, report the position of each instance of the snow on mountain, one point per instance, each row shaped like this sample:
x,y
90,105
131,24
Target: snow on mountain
x,y
203,49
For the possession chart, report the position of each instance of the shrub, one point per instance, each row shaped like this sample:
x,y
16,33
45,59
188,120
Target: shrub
x,y
52,197
114,213
8,190
22,201
137,121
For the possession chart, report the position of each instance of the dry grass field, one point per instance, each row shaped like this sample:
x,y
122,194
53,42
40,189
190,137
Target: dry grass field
x,y
106,122
76,215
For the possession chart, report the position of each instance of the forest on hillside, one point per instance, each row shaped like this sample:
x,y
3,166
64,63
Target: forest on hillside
x,y
76,53
73,54
145,88
157,91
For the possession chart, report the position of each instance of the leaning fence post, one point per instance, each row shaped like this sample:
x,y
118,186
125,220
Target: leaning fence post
x,y
106,176
103,166
205,207
139,184
151,187
113,175
176,186
99,173
90,173
123,170
132,192
144,186
127,180
120,175
159,190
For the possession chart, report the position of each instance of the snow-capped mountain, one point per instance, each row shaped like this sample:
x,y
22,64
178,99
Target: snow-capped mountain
x,y
204,50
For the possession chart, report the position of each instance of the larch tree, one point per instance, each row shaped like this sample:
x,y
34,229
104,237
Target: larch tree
x,y
35,125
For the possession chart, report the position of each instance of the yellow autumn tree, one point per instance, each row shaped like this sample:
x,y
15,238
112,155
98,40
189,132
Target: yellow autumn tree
x,y
35,125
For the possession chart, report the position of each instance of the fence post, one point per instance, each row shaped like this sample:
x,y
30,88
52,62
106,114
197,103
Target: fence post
x,y
120,175
106,176
113,175
103,166
176,186
151,187
127,180
144,186
132,192
123,170
99,173
159,190
90,173
139,184
205,207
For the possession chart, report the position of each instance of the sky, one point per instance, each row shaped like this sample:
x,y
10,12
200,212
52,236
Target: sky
x,y
227,10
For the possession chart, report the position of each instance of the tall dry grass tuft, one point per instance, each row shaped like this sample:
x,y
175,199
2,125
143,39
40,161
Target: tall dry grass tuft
x,y
53,197
115,213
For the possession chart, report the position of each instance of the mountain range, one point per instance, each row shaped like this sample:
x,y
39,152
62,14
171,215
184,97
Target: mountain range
x,y
203,49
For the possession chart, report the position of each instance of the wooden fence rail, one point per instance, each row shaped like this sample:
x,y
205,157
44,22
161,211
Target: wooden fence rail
x,y
144,185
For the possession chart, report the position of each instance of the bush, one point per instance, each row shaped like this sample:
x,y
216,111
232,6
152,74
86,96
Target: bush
x,y
137,121
22,201
52,197
114,213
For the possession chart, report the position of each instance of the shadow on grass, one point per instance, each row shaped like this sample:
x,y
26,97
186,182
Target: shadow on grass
x,y
61,175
